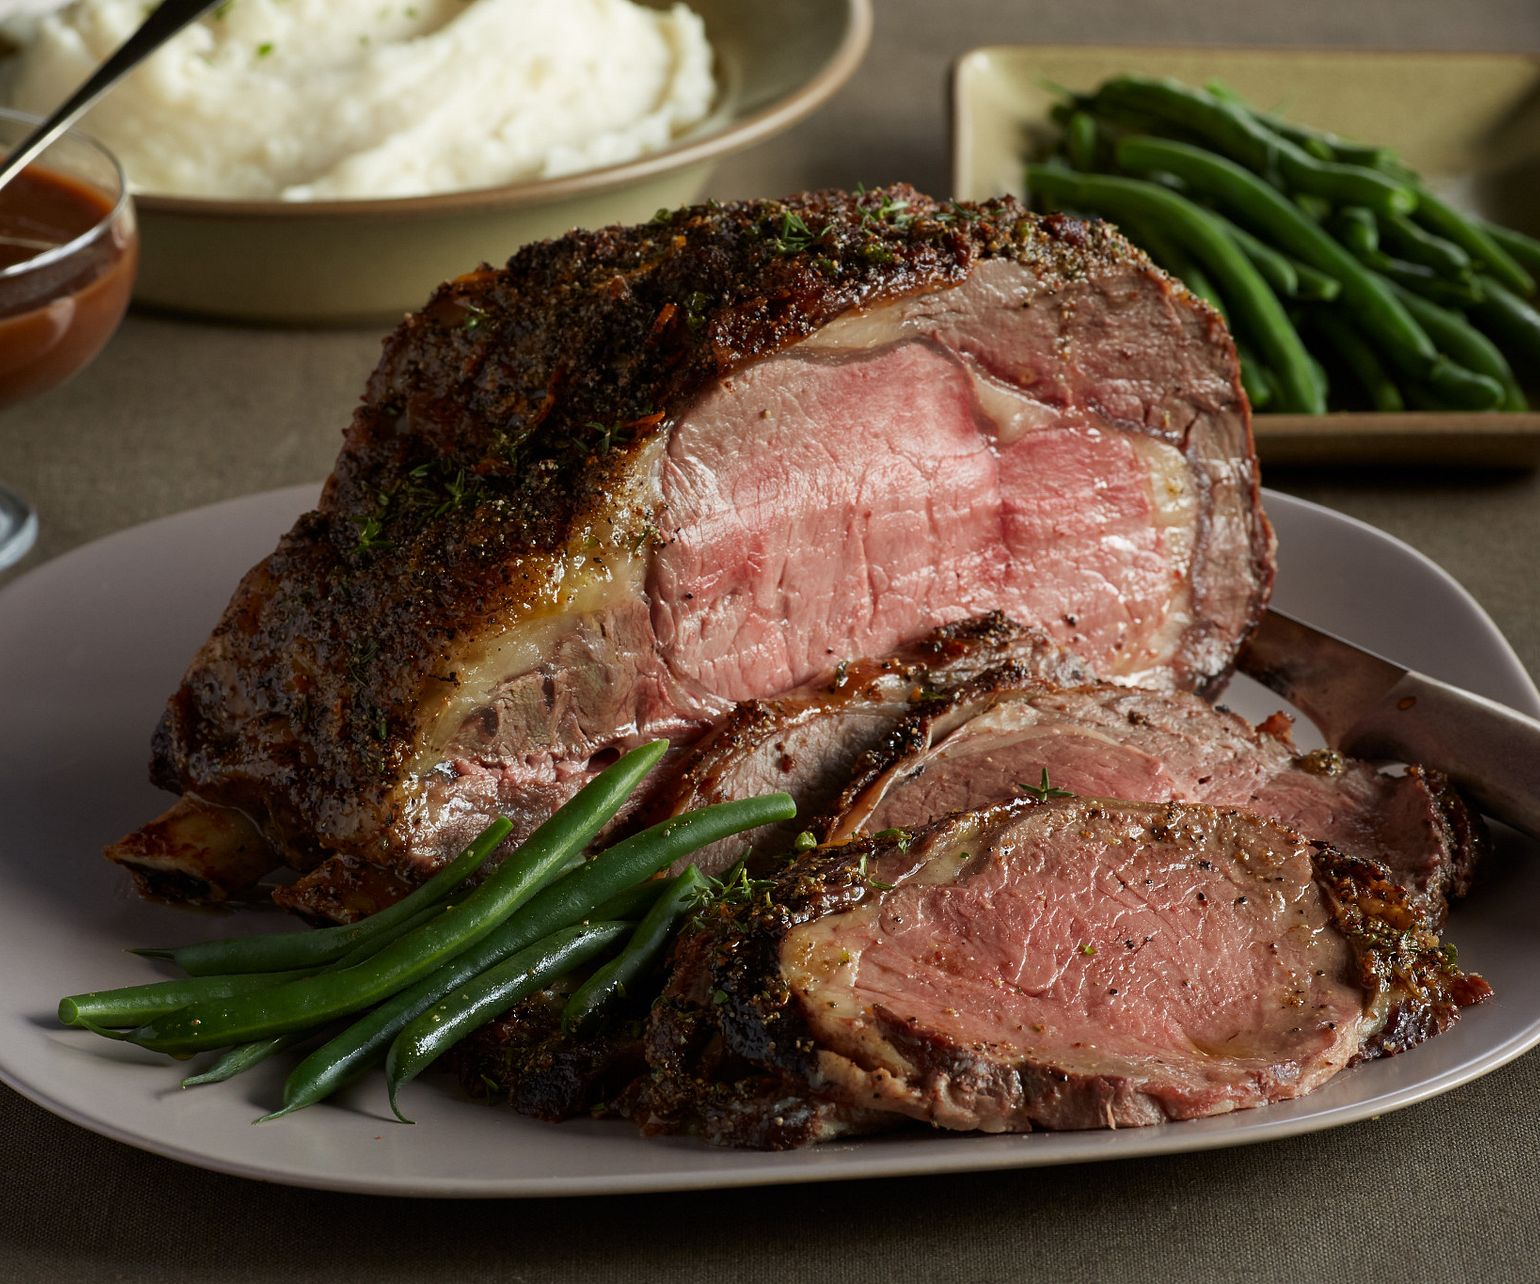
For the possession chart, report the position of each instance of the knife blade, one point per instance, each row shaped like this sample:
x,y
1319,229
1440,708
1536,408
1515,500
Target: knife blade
x,y
1371,707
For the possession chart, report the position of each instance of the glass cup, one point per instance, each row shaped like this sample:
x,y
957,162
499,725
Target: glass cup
x,y
69,248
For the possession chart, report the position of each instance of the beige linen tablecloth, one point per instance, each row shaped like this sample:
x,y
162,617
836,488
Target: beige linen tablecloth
x,y
179,413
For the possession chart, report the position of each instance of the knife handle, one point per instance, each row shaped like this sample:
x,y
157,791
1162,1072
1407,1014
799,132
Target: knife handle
x,y
1490,751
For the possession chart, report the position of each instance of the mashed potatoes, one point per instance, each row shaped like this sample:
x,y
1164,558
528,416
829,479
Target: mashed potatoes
x,y
332,99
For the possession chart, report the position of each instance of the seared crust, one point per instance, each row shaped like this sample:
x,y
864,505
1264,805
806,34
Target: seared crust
x,y
1400,960
503,418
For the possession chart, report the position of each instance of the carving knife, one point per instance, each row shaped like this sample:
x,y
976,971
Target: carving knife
x,y
1371,707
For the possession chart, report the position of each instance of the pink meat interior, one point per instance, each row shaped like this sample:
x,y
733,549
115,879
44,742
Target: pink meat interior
x,y
875,502
1205,972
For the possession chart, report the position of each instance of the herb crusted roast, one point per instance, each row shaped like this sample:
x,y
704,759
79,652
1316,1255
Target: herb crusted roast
x,y
641,474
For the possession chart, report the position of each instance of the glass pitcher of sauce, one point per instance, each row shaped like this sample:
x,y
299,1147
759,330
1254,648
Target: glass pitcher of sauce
x,y
68,252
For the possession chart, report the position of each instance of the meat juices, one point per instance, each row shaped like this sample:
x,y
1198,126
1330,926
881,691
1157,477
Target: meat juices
x,y
56,316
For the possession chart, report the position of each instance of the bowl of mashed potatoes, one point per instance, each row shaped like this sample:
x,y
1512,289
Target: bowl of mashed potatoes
x,y
333,160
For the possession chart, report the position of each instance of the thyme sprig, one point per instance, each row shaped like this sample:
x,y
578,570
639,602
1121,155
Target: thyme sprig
x,y
735,887
1043,791
426,491
795,235
875,883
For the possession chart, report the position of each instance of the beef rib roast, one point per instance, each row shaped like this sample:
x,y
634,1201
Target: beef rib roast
x,y
642,474
901,505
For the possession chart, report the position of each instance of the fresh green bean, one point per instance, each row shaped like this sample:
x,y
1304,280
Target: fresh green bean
x,y
1423,280
1080,140
1315,208
1255,307
1461,389
1357,228
612,982
285,951
1466,344
1473,238
1314,285
1238,134
1224,126
1277,269
1413,242
1329,147
242,1057
1382,318
632,903
1359,359
488,996
1511,322
299,1004
1524,250
133,1005
1288,276
599,883
1252,201
1320,143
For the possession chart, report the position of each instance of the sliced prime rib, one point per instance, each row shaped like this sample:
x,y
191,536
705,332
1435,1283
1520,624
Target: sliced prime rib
x,y
808,742
1061,964
1003,734
934,730
641,474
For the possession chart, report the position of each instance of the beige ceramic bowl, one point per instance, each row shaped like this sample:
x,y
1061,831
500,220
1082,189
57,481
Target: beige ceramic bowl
x,y
336,262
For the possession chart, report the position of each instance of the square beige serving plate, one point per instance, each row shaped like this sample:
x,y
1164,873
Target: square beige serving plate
x,y
1469,122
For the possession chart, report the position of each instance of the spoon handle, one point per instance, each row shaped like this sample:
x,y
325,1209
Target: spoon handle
x,y
164,21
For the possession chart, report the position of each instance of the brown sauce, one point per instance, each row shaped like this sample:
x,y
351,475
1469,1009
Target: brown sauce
x,y
55,318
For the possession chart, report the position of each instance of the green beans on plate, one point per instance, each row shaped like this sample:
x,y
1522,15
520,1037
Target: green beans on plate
x,y
545,911
134,1005
1240,135
243,1057
573,898
1443,219
309,1001
611,983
